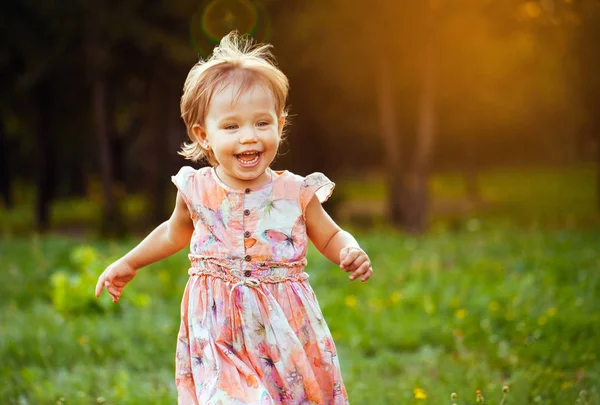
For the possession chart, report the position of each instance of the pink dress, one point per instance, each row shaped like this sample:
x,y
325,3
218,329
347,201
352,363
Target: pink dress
x,y
251,329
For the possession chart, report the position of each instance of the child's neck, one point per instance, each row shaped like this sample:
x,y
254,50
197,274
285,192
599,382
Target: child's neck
x,y
238,184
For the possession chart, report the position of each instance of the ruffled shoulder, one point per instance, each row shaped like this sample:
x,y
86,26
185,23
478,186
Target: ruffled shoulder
x,y
184,181
315,184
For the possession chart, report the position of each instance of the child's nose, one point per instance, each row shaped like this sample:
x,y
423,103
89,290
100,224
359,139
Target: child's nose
x,y
248,135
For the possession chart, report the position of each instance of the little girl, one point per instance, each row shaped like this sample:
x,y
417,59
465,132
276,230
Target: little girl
x,y
251,329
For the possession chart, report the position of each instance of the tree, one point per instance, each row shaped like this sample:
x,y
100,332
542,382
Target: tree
x,y
363,52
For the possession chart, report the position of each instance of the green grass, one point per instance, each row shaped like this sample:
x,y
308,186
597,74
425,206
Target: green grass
x,y
548,197
486,303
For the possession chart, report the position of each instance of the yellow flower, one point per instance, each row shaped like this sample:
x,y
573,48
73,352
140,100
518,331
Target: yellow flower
x,y
551,311
395,297
82,340
460,313
419,393
565,385
350,301
494,306
542,320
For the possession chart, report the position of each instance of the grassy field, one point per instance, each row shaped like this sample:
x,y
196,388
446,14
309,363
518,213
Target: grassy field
x,y
509,295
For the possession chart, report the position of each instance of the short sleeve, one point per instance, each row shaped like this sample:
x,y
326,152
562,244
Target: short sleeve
x,y
183,180
315,184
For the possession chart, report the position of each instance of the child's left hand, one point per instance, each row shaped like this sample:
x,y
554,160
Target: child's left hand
x,y
355,260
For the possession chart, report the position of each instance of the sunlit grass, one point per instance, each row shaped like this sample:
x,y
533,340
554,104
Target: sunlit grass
x,y
481,302
552,196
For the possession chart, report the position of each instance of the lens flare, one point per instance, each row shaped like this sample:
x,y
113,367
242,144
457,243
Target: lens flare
x,y
222,16
216,18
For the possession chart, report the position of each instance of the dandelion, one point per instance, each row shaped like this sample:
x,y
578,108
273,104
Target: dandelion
x,y
504,392
460,313
350,301
494,306
395,297
480,398
582,398
420,393
82,340
551,311
542,320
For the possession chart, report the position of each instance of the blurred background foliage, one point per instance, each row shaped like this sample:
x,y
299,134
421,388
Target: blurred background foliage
x,y
395,89
464,138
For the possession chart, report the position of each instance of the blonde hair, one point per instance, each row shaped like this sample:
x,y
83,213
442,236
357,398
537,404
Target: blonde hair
x,y
236,60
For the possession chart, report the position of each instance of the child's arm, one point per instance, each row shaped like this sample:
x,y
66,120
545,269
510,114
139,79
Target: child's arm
x,y
168,238
336,244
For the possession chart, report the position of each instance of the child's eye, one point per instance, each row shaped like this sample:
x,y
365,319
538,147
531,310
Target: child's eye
x,y
262,124
231,126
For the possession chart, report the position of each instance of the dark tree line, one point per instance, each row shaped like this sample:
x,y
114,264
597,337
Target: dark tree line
x,y
90,90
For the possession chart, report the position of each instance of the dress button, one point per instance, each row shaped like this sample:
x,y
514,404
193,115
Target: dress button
x,y
247,273
246,212
246,234
248,258
247,191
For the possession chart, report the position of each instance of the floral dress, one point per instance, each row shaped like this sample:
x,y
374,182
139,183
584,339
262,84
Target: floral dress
x,y
251,329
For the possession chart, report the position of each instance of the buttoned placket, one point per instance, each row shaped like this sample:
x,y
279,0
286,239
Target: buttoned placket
x,y
247,258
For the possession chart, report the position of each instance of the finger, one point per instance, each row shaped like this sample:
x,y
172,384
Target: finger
x,y
357,262
99,285
361,270
350,257
114,297
113,290
343,254
367,275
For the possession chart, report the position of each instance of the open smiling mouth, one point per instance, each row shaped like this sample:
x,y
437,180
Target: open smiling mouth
x,y
248,159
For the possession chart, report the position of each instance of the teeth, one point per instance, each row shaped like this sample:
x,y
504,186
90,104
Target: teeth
x,y
255,154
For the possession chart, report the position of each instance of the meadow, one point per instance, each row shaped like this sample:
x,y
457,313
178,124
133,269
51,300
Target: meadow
x,y
504,294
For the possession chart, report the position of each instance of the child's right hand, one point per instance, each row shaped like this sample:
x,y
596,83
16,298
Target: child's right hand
x,y
114,278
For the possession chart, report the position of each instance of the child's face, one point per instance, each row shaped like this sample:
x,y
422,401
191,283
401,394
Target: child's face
x,y
244,134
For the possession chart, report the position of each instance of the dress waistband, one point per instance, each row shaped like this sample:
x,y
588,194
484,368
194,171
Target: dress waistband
x,y
250,273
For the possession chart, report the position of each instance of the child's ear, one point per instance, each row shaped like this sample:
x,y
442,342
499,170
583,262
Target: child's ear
x,y
281,124
200,135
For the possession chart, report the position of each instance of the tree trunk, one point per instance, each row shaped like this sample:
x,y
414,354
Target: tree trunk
x,y
5,180
397,197
111,221
598,168
424,144
45,157
155,163
472,185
